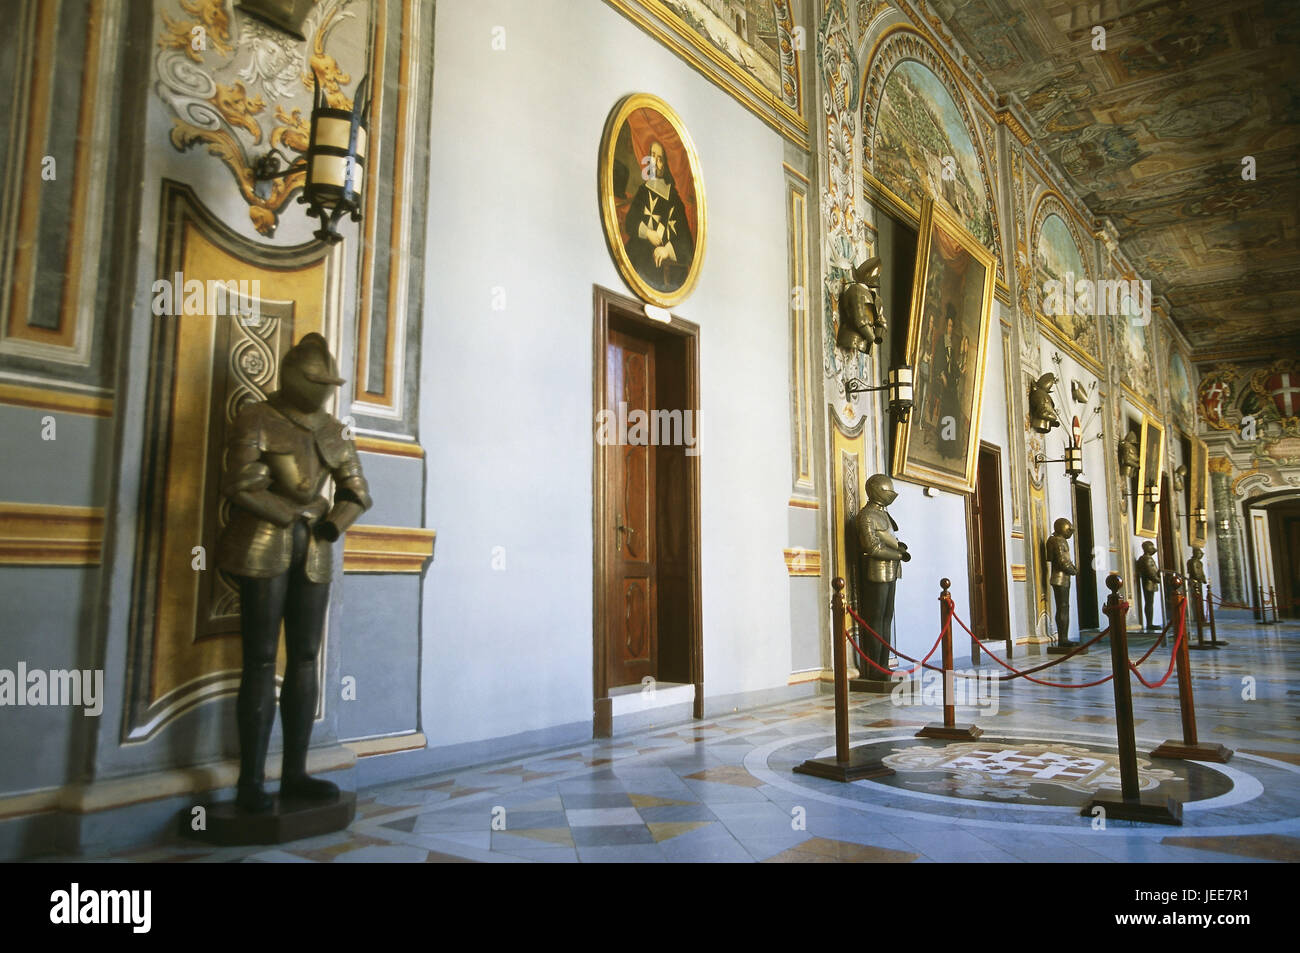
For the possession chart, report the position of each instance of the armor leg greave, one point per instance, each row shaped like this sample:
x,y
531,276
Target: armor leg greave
x,y
304,621
261,604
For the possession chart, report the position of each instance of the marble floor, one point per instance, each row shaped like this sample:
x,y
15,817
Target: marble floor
x,y
723,789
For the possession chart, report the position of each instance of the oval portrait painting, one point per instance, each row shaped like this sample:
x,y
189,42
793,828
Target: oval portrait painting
x,y
652,199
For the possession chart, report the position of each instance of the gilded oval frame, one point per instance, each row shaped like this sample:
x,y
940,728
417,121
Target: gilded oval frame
x,y
609,212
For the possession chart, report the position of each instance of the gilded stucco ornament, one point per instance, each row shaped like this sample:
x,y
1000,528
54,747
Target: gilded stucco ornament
x,y
220,92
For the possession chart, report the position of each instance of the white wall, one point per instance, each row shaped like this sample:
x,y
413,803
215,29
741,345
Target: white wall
x,y
506,400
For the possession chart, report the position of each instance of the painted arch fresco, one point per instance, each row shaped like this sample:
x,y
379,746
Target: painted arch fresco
x,y
922,147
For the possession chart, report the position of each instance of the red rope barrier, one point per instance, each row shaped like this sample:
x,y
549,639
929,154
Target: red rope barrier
x,y
1039,681
877,637
1182,632
1156,644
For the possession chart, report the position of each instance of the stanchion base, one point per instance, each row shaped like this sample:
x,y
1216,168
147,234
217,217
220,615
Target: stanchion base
x,y
1205,646
957,732
1199,752
859,767
874,686
1065,649
1218,645
1163,811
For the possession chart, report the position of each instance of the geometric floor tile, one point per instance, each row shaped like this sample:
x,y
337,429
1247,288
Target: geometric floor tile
x,y
821,850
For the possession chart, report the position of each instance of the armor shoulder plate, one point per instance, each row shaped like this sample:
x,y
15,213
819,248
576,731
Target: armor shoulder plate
x,y
334,448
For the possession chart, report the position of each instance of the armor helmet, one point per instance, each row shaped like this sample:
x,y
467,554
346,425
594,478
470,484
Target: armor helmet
x,y
1197,552
880,490
1063,527
308,373
1148,547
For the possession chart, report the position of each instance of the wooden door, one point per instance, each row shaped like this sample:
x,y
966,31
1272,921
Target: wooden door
x,y
1085,583
985,554
631,597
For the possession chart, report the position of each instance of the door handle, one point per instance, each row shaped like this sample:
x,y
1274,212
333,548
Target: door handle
x,y
619,529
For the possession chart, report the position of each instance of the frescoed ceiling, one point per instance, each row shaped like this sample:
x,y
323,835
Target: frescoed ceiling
x,y
1151,133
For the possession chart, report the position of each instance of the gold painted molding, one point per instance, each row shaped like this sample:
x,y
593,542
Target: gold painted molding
x,y
392,448
1018,573
805,504
45,399
369,747
387,549
803,562
37,534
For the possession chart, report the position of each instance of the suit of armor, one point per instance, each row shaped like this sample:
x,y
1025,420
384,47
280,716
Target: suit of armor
x,y
1196,579
1149,573
1062,568
280,454
882,556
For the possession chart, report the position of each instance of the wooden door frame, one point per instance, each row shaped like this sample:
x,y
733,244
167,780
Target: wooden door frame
x,y
629,309
996,451
1079,555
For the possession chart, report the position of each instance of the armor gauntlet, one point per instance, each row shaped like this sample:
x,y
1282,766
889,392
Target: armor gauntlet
x,y
351,498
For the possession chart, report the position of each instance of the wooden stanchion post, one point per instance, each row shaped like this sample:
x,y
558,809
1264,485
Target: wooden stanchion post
x,y
1197,605
1272,599
1209,608
1189,749
1130,806
949,728
849,764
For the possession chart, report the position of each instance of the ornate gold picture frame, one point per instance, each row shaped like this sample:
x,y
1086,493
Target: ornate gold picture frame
x,y
1150,467
947,339
1200,492
652,199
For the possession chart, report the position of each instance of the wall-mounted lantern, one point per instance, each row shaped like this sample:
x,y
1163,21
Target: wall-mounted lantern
x,y
899,387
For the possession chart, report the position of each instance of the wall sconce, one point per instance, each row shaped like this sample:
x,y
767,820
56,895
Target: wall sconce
x,y
899,387
1196,517
1225,525
335,162
1151,494
286,15
1073,460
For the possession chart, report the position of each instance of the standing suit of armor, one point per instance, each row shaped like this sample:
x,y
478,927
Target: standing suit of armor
x,y
1149,572
281,453
881,568
1062,568
1196,579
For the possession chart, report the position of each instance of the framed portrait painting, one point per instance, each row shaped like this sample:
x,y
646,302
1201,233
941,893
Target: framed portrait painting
x,y
1149,471
652,199
1199,495
952,299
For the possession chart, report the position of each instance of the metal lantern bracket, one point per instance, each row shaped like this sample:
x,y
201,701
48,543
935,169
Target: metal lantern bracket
x,y
1073,460
899,387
